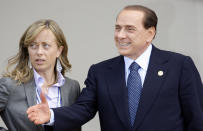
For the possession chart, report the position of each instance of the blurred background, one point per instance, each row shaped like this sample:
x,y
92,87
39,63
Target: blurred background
x,y
89,29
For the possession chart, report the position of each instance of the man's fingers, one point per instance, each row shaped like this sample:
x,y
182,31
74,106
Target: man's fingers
x,y
37,122
32,109
39,113
33,116
43,98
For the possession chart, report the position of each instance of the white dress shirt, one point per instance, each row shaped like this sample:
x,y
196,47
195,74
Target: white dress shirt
x,y
142,61
53,96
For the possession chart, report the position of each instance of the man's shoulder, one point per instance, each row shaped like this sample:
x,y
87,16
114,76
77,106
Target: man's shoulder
x,y
169,54
110,61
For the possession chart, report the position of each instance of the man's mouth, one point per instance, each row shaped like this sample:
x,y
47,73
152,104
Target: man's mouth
x,y
124,44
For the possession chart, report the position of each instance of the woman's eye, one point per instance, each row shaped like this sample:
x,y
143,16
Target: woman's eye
x,y
46,46
33,45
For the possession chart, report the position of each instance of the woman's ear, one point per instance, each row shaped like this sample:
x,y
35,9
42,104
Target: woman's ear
x,y
60,49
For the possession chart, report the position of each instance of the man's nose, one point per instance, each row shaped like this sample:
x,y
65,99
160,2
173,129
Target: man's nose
x,y
122,34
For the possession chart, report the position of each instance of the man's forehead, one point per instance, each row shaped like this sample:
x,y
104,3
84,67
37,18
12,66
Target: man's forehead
x,y
125,25
130,18
132,13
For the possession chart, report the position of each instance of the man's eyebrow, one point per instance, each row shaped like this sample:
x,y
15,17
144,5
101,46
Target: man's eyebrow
x,y
130,26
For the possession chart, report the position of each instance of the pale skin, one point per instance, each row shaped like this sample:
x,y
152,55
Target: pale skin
x,y
131,39
43,52
40,113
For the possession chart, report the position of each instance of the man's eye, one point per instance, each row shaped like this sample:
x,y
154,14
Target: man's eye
x,y
130,29
117,28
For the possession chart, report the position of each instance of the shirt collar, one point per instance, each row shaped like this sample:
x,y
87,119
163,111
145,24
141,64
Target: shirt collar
x,y
142,60
40,80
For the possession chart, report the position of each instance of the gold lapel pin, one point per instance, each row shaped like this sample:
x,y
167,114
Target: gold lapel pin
x,y
160,73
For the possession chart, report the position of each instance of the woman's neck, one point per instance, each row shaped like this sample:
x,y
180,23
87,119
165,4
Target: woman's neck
x,y
49,77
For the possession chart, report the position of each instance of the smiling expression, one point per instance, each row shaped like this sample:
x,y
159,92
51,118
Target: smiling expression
x,y
130,36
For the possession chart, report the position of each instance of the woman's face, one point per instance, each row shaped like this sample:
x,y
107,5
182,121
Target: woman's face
x,y
43,51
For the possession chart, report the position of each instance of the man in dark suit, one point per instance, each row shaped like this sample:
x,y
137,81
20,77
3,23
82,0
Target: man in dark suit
x,y
143,89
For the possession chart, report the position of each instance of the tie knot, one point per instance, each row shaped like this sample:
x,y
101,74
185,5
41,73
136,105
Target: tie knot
x,y
134,66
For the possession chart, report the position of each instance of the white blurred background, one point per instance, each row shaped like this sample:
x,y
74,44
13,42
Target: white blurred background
x,y
89,27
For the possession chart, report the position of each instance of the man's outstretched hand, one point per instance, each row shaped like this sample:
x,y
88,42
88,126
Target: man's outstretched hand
x,y
40,113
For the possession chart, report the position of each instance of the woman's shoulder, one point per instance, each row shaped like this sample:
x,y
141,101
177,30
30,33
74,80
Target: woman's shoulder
x,y
70,80
7,84
7,81
72,83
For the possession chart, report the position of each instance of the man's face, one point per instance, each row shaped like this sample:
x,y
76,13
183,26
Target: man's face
x,y
130,35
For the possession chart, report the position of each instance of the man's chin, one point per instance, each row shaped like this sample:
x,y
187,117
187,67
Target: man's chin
x,y
124,53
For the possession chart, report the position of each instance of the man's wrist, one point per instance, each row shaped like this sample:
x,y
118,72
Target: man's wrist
x,y
51,120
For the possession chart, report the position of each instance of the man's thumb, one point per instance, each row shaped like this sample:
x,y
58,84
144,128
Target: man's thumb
x,y
43,98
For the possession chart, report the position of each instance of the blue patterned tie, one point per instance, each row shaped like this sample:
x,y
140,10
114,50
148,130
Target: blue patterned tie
x,y
134,86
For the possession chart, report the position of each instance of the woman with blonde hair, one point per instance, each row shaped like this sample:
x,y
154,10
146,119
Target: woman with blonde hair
x,y
39,66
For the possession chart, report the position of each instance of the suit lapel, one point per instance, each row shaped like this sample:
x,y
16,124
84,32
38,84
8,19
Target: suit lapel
x,y
156,73
117,89
63,100
30,92
64,93
30,89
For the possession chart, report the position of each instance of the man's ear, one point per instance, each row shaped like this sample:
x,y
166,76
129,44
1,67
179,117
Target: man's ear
x,y
151,33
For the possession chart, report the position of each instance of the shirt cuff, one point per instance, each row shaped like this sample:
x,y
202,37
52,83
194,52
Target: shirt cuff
x,y
51,121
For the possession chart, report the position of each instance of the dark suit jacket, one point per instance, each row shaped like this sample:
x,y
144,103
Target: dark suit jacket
x,y
169,102
15,99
